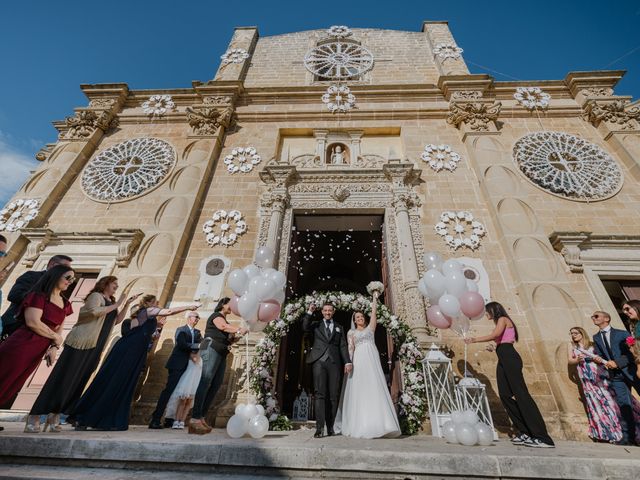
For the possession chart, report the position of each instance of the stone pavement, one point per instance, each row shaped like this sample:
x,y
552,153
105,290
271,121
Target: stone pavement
x,y
147,454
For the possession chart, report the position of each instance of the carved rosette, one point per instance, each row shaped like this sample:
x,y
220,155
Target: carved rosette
x,y
616,113
478,116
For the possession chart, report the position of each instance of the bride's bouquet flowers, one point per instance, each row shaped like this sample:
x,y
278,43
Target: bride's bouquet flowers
x,y
375,287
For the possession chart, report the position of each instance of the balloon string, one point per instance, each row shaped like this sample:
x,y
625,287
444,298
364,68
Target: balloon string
x,y
246,344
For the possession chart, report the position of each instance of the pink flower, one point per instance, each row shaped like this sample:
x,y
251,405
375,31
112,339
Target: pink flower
x,y
630,341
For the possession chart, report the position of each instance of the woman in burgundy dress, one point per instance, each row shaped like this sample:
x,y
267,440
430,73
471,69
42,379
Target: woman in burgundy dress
x,y
44,310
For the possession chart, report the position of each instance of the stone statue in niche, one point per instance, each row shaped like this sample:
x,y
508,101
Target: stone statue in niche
x,y
337,156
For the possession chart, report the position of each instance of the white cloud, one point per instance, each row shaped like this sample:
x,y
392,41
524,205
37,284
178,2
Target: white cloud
x,y
15,167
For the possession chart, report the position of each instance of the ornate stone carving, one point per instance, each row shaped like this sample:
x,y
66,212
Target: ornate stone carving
x,y
615,112
207,121
467,232
339,31
217,100
466,95
446,51
45,152
440,156
340,194
229,233
17,214
84,122
338,60
128,169
567,166
234,55
478,116
102,103
339,99
597,92
307,161
157,105
369,161
128,243
532,98
242,159
38,241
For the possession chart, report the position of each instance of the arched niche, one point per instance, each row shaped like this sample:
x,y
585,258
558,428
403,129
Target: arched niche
x,y
338,153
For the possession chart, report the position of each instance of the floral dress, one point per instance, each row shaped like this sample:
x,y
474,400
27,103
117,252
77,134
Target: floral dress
x,y
603,412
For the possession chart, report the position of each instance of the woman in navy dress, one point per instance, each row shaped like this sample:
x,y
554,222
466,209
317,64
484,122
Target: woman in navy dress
x,y
107,402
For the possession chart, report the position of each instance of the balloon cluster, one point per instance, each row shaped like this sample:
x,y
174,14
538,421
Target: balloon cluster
x,y
465,428
249,418
454,299
259,290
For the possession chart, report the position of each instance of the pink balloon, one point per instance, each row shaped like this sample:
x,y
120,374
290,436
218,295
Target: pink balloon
x,y
471,304
437,318
268,311
234,305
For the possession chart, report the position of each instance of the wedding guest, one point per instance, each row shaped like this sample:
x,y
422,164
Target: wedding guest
x,y
214,360
107,402
11,321
512,388
43,310
602,410
186,348
611,346
83,347
631,309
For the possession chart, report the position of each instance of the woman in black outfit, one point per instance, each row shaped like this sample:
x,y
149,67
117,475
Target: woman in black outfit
x,y
214,360
514,394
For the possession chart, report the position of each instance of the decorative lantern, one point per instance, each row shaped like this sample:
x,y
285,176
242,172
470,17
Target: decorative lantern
x,y
440,386
301,407
472,395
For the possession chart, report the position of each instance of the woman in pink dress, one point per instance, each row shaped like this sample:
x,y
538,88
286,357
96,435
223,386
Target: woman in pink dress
x,y
603,412
44,310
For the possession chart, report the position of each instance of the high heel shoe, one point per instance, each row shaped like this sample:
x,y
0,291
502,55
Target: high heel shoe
x,y
53,423
32,425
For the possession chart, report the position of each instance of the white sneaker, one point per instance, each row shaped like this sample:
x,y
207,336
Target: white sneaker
x,y
537,443
181,425
520,439
176,425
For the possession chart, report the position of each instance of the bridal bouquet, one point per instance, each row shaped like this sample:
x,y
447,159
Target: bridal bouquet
x,y
375,287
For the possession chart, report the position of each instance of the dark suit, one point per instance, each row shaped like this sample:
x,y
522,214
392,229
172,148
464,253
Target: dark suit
x,y
18,292
622,378
328,355
176,365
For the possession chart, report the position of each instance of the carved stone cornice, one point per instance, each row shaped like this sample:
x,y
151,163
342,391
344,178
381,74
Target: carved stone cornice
x,y
477,116
84,122
616,113
207,120
582,249
278,176
126,241
597,82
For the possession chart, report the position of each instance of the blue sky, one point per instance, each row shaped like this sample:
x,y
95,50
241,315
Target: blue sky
x,y
47,48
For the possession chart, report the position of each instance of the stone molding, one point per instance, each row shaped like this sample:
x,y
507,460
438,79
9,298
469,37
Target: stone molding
x,y
617,113
126,241
584,249
208,119
476,116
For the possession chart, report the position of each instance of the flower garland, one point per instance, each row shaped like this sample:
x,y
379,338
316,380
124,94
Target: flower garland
x,y
412,402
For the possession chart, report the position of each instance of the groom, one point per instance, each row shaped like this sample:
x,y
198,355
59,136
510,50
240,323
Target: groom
x,y
328,353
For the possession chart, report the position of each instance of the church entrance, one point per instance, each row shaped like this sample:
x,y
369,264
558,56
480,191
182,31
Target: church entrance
x,y
341,253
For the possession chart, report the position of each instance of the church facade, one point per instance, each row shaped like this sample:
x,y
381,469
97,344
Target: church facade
x,y
360,134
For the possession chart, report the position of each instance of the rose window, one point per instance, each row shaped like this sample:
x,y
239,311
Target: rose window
x,y
568,166
338,60
128,169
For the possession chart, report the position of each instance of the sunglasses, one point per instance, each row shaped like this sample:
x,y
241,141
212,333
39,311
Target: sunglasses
x,y
69,278
595,316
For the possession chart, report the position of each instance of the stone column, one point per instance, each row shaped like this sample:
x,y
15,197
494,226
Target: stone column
x,y
402,176
447,55
356,138
235,61
321,144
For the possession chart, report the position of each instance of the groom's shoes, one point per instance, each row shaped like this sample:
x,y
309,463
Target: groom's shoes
x,y
330,433
318,434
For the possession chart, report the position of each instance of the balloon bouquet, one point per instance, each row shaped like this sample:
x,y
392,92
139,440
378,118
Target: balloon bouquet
x,y
465,428
259,291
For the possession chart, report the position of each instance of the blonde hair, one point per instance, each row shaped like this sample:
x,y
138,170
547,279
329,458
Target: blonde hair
x,y
586,340
145,302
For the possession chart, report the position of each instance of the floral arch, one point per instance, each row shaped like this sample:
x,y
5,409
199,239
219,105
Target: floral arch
x,y
412,402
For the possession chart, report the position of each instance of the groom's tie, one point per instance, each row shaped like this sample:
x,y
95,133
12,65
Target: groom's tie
x,y
327,324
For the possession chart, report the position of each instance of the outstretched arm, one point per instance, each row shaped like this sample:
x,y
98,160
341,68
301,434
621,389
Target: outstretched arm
x,y
307,321
500,326
373,322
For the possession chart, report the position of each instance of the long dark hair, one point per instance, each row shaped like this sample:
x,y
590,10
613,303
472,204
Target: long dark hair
x,y
221,303
50,279
366,317
102,284
496,310
635,304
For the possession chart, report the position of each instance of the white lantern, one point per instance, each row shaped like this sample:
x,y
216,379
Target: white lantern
x,y
472,395
440,386
301,407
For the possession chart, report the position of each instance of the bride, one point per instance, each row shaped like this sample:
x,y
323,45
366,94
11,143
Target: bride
x,y
367,410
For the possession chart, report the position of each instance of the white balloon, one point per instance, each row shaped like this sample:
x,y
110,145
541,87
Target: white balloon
x,y
434,282
456,417
432,260
248,306
266,272
264,256
455,283
470,417
257,326
238,281
251,270
248,411
451,265
449,305
466,434
258,426
236,426
253,284
239,408
265,289
422,287
279,296
278,278
260,409
460,325
472,286
485,434
449,432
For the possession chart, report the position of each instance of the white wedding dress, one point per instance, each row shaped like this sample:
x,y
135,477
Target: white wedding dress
x,y
366,409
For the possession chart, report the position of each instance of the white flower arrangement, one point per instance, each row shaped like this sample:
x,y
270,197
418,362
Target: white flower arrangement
x,y
375,287
228,235
413,405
